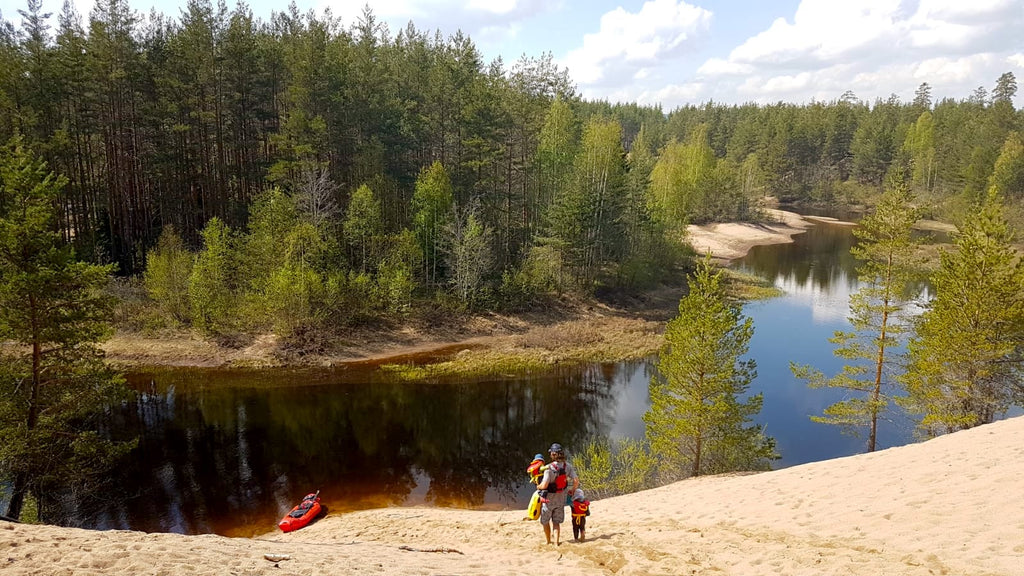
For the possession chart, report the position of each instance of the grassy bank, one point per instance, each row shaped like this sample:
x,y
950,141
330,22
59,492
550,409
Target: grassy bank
x,y
593,340
566,331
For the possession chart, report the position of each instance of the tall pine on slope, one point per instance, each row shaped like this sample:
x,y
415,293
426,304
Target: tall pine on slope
x,y
878,316
55,386
697,423
965,365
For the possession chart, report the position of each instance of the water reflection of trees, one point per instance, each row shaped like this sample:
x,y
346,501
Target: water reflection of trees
x,y
820,257
231,459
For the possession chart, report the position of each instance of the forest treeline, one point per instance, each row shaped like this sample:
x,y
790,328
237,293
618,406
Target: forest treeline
x,y
320,166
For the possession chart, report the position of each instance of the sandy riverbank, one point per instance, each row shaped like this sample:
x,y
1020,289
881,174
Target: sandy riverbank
x,y
730,240
947,506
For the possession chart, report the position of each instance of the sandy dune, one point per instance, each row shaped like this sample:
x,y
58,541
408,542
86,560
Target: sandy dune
x,y
948,506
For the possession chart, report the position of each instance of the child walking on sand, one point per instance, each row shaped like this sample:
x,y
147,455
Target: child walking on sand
x,y
580,511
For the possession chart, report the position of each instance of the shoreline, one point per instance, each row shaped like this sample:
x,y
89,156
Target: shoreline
x,y
945,506
576,332
731,240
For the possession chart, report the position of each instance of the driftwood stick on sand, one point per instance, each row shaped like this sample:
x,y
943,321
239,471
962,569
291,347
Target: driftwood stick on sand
x,y
442,549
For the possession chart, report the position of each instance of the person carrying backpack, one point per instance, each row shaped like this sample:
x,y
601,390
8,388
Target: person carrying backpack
x,y
553,488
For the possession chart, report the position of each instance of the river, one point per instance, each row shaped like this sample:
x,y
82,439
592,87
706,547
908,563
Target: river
x,y
229,451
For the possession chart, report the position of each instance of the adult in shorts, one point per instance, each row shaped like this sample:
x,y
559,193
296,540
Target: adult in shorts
x,y
559,479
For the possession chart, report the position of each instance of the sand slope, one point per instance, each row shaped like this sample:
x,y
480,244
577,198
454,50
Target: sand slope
x,y
948,506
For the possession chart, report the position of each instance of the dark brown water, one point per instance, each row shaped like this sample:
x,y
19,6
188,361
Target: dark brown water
x,y
230,452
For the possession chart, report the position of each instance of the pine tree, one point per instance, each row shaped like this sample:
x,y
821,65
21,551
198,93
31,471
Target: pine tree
x,y
55,386
555,154
873,146
272,216
636,215
878,313
1006,88
1008,174
965,361
295,289
697,423
923,97
649,255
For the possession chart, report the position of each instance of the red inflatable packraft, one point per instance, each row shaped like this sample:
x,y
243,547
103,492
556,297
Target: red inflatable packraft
x,y
302,514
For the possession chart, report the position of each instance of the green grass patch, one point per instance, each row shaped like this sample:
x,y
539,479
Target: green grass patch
x,y
474,365
743,286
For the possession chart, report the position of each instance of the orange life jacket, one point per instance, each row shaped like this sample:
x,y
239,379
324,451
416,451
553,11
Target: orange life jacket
x,y
534,470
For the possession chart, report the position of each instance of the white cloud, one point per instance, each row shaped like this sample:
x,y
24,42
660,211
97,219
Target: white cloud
x,y
873,47
938,34
952,70
822,30
825,32
787,84
961,9
957,24
719,67
627,42
490,20
673,95
495,6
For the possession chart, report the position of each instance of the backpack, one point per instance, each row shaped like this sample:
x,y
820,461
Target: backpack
x,y
562,479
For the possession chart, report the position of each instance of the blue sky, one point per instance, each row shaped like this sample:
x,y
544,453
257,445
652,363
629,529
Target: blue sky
x,y
675,52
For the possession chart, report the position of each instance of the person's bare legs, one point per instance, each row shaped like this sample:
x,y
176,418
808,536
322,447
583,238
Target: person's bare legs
x,y
558,535
547,531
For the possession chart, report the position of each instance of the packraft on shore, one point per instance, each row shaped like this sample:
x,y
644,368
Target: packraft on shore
x,y
302,514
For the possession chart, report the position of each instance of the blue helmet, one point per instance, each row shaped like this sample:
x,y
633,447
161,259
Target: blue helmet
x,y
557,449
538,456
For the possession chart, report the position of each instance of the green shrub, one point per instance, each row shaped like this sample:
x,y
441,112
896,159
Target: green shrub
x,y
392,292
612,467
348,297
292,294
211,286
166,278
